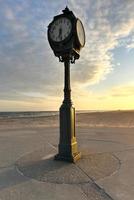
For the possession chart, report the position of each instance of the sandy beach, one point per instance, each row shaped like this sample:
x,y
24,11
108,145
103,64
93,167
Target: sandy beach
x,y
91,119
105,172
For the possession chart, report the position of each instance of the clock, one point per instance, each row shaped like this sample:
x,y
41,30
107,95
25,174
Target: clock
x,y
60,29
66,35
80,33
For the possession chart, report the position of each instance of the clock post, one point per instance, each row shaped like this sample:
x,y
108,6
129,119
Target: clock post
x,y
68,145
66,37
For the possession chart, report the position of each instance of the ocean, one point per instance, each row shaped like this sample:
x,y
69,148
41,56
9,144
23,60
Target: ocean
x,y
32,114
27,114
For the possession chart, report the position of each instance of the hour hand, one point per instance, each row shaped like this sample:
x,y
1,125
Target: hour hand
x,y
60,33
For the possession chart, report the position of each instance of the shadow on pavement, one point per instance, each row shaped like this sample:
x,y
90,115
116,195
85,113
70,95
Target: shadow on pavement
x,y
10,177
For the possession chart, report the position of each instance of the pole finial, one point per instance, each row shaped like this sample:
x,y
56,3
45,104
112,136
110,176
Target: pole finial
x,y
66,10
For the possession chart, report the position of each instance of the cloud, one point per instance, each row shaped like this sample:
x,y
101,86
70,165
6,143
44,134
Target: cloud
x,y
27,64
106,23
130,46
9,14
123,90
117,97
120,91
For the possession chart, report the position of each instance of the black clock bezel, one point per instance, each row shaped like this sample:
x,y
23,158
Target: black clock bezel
x,y
83,32
71,44
72,19
67,38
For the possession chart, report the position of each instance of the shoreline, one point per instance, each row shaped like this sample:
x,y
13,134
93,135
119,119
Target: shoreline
x,y
87,119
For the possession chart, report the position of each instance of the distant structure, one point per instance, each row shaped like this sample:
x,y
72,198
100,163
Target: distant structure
x,y
66,37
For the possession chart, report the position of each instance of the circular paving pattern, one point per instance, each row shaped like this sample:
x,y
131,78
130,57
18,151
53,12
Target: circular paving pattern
x,y
42,167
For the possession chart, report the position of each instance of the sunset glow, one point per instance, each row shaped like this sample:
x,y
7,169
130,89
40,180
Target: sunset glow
x,y
31,77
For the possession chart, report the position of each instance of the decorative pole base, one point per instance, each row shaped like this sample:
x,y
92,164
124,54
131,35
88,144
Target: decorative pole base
x,y
72,158
68,150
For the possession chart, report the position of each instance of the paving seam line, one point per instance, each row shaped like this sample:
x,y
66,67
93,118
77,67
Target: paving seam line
x,y
97,186
116,171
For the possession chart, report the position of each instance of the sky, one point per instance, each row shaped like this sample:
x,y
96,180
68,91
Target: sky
x,y
32,78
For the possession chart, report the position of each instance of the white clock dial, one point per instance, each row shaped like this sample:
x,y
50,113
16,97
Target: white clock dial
x,y
60,29
80,32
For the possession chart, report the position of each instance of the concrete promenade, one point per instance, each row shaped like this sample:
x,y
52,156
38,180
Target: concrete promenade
x,y
28,172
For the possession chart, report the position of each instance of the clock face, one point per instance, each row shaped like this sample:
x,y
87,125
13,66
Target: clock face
x,y
80,32
60,29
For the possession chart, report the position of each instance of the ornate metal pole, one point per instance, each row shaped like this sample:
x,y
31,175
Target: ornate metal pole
x,y
66,37
68,144
67,87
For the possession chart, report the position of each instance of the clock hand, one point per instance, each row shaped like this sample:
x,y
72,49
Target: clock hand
x,y
60,33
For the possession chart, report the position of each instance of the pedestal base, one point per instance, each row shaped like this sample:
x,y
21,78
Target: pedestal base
x,y
72,158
